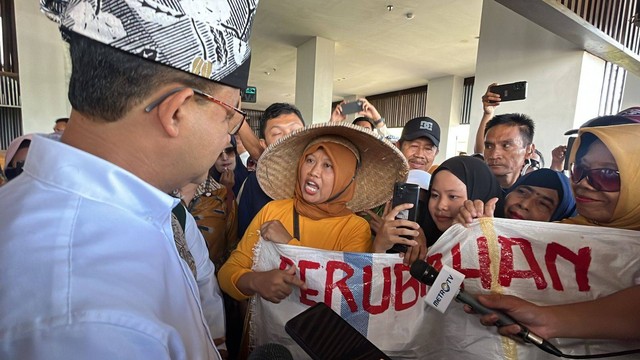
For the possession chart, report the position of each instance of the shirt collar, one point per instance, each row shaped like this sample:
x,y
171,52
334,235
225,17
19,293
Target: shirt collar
x,y
94,178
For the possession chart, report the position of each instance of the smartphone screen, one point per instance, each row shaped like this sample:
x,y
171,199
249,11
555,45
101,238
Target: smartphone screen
x,y
405,193
323,334
351,107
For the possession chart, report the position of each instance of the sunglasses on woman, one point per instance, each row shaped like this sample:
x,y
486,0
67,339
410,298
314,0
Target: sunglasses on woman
x,y
607,180
229,151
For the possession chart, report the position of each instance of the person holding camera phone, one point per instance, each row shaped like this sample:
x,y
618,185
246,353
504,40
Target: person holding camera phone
x,y
506,140
603,177
369,116
394,233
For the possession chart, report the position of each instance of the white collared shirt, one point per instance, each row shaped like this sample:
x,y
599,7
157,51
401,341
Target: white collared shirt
x,y
89,267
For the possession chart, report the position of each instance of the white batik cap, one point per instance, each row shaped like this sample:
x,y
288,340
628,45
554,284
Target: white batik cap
x,y
208,38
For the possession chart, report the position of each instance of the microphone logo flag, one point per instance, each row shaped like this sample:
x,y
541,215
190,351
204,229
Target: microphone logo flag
x,y
439,297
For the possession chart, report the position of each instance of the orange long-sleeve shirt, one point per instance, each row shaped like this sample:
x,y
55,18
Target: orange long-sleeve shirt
x,y
344,233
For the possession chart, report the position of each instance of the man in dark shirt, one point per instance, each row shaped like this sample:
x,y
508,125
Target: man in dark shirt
x,y
277,121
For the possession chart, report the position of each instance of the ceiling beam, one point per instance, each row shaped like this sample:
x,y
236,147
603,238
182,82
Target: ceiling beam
x,y
563,22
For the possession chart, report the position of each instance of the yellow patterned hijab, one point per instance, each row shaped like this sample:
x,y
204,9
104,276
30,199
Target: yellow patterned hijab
x,y
624,143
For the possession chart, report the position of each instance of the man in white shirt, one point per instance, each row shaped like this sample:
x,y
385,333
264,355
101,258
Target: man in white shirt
x,y
90,266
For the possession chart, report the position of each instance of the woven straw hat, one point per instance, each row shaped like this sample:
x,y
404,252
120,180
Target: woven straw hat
x,y
381,163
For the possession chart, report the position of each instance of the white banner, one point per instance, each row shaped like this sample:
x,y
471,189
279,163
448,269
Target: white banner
x,y
545,263
374,292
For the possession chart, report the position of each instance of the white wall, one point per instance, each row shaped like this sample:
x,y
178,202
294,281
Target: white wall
x,y
560,76
43,64
589,90
631,95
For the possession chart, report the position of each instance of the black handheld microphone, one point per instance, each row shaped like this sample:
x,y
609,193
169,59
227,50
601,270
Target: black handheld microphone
x,y
427,274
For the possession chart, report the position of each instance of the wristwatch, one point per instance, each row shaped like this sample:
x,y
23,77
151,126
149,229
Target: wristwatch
x,y
377,122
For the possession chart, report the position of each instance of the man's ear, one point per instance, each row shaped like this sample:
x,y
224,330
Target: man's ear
x,y
172,111
529,150
263,143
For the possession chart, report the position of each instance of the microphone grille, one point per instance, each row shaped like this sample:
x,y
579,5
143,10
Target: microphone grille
x,y
423,272
270,351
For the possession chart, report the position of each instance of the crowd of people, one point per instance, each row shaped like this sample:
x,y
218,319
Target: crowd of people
x,y
129,232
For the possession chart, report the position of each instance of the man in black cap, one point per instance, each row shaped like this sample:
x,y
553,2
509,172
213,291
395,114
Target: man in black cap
x,y
97,265
419,142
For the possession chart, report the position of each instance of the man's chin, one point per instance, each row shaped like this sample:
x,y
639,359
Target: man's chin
x,y
498,170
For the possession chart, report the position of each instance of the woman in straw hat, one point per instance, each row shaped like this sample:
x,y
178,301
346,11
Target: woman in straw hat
x,y
341,169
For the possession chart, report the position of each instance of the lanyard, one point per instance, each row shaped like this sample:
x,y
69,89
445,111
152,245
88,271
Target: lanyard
x,y
296,224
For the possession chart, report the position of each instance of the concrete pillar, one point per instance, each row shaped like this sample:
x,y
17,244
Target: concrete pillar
x,y
314,79
564,82
444,105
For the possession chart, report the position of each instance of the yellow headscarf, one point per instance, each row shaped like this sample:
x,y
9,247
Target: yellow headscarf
x,y
624,143
344,164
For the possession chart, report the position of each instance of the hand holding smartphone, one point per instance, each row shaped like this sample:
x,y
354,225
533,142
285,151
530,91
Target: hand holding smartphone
x,y
405,193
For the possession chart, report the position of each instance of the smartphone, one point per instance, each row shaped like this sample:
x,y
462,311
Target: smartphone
x,y
512,91
567,165
323,334
351,107
404,193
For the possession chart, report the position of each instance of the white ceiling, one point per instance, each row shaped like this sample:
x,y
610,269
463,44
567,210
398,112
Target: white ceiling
x,y
376,50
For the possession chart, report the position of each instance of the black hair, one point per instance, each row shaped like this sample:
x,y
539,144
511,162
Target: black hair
x,y
24,144
274,110
522,121
64,120
106,82
364,118
234,143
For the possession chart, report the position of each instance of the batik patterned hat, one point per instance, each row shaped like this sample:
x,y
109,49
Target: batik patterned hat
x,y
208,38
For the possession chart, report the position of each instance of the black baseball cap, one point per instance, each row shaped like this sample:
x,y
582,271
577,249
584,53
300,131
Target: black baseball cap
x,y
421,127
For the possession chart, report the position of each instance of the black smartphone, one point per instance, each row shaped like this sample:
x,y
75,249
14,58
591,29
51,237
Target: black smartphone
x,y
567,165
405,193
351,107
511,91
323,334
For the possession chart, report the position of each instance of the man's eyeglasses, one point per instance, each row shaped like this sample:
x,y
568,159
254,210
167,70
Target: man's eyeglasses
x,y
236,111
607,180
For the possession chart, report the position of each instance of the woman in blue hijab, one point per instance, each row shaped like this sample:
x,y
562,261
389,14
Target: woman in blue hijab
x,y
542,195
